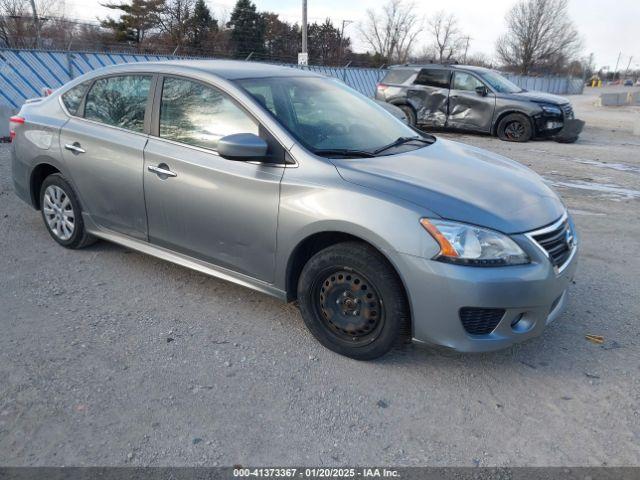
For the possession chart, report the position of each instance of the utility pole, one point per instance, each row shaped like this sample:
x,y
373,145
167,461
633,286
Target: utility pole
x,y
616,70
465,49
303,57
628,65
36,21
344,24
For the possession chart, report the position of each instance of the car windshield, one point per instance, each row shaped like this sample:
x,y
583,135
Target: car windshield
x,y
499,83
330,118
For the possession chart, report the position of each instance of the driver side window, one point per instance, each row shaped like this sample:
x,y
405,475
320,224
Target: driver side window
x,y
199,115
465,81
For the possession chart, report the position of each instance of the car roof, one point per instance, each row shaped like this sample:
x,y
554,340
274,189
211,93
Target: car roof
x,y
418,66
227,69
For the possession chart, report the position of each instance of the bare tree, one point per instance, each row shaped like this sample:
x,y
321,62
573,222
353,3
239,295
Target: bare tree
x,y
14,24
175,19
448,42
392,31
17,24
539,34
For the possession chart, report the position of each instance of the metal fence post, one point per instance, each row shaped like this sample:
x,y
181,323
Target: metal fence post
x,y
69,56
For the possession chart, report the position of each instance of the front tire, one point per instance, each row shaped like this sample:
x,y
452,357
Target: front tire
x,y
352,301
62,214
515,127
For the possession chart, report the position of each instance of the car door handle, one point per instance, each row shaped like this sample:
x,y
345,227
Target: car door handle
x,y
75,147
162,171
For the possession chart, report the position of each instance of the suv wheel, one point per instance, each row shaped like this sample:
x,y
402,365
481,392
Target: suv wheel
x,y
352,301
62,214
410,113
515,127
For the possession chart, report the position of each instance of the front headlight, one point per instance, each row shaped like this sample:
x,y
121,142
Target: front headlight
x,y
470,245
552,109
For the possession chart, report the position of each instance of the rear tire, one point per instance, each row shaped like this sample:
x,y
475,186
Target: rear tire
x,y
62,214
515,127
410,113
352,301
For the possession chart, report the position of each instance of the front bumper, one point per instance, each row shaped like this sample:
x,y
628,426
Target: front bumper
x,y
534,293
559,128
570,131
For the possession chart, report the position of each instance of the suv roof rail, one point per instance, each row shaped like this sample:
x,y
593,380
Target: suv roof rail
x,y
454,63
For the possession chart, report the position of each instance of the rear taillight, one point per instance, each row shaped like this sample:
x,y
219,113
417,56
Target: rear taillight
x,y
382,87
13,123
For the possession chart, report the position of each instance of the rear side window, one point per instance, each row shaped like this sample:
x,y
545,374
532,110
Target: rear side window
x,y
73,98
199,115
397,76
119,101
433,77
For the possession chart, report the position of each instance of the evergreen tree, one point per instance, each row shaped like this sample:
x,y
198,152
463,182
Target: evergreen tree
x,y
247,34
202,25
326,47
137,18
282,40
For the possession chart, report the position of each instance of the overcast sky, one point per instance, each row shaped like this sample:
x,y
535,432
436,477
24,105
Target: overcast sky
x,y
607,27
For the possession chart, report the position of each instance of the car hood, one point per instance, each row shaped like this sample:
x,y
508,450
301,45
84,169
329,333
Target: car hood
x,y
462,183
541,97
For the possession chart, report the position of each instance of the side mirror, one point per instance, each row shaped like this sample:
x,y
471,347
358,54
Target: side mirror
x,y
242,146
482,91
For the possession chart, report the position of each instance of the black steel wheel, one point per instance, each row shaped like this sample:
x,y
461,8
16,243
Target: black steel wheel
x,y
515,127
352,300
349,305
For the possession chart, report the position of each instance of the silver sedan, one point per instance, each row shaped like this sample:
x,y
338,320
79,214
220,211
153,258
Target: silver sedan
x,y
290,183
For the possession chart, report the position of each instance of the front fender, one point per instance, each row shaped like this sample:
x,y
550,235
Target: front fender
x,y
390,224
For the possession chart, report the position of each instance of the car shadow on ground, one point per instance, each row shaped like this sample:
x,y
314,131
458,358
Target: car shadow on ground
x,y
273,311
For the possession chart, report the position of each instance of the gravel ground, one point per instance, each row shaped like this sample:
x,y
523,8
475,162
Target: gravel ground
x,y
110,357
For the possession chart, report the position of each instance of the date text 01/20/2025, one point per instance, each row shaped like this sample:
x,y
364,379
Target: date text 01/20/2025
x,y
316,472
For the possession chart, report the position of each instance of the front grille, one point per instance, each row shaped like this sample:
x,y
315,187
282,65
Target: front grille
x,y
557,242
567,110
480,321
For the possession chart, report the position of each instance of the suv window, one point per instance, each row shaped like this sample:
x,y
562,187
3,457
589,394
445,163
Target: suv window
x,y
433,77
73,98
397,75
119,101
199,115
465,81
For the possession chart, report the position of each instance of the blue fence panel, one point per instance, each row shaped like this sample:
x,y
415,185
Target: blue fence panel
x,y
549,84
25,73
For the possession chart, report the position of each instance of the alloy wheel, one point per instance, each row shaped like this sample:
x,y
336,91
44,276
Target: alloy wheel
x,y
514,130
58,212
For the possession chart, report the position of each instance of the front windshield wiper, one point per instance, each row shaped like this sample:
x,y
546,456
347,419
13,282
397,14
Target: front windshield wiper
x,y
402,141
343,152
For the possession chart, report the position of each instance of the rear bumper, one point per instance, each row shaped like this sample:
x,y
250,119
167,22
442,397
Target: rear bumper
x,y
535,294
20,174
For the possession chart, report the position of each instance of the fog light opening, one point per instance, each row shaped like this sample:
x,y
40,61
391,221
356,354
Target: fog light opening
x,y
516,320
522,323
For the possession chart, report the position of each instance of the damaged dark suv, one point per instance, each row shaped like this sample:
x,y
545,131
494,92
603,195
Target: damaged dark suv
x,y
477,99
